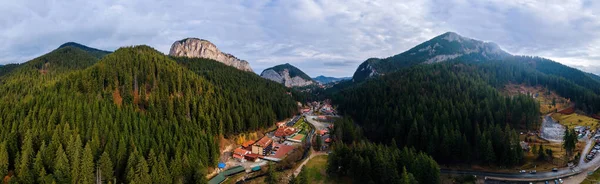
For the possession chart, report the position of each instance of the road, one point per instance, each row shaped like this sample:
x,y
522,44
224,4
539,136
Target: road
x,y
581,169
316,126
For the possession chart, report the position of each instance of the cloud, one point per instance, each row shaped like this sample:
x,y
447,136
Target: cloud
x,y
329,37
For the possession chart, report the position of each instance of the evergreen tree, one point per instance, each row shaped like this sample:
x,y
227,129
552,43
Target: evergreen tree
x,y
272,176
105,166
87,174
4,159
61,166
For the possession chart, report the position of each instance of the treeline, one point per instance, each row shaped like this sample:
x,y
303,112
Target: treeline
x,y
446,110
365,162
565,81
136,116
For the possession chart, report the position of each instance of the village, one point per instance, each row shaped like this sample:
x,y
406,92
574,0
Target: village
x,y
293,138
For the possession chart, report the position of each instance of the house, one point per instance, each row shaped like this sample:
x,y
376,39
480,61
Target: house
x,y
263,146
284,131
305,110
328,140
322,132
251,157
240,154
330,127
248,145
524,146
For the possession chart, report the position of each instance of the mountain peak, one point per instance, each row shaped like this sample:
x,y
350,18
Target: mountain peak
x,y
288,75
200,48
445,47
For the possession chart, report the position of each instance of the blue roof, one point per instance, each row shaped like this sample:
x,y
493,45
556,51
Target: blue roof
x,y
221,165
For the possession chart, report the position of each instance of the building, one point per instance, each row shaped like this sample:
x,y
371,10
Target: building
x,y
263,146
322,132
240,154
248,145
284,132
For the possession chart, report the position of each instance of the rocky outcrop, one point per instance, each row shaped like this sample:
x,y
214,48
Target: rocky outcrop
x,y
287,75
199,48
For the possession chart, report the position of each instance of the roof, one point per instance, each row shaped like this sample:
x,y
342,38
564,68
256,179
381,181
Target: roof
x,y
238,156
248,143
322,132
264,142
233,170
240,151
217,179
328,140
284,131
221,165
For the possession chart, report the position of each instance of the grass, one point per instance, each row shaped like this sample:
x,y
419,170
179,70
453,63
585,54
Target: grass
x,y
575,119
316,171
301,124
594,178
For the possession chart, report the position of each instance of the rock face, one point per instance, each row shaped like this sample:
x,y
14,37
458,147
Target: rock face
x,y
446,47
199,48
287,75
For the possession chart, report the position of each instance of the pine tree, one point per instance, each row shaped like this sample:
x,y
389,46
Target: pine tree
x,y
87,174
62,170
74,152
3,159
23,171
272,176
105,166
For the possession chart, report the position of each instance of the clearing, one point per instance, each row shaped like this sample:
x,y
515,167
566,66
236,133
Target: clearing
x,y
572,120
549,100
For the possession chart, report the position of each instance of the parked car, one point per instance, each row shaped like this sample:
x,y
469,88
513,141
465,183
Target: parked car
x,y
560,180
532,172
555,181
554,169
522,171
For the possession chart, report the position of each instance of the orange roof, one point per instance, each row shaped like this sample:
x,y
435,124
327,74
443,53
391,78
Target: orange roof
x,y
264,142
240,151
248,143
328,140
322,132
284,131
238,156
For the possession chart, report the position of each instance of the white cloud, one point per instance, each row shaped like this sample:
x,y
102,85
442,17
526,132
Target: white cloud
x,y
330,37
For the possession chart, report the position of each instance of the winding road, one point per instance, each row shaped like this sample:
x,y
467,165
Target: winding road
x,y
581,169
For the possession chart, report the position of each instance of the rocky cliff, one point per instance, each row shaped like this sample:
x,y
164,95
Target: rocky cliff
x,y
199,48
287,75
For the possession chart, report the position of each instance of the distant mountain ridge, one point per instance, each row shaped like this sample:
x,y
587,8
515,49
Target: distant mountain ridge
x,y
93,51
445,47
288,75
325,80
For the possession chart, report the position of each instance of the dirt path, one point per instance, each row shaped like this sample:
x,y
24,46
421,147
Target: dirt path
x,y
312,155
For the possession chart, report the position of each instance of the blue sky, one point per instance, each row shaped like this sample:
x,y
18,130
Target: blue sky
x,y
321,37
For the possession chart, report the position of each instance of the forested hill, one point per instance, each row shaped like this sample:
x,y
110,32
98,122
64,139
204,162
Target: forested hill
x,y
136,115
93,51
447,110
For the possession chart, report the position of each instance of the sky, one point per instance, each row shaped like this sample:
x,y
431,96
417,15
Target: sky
x,y
321,37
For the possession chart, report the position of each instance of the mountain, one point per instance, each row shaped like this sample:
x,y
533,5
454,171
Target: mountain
x,y
288,75
198,48
4,69
325,80
135,113
93,51
445,47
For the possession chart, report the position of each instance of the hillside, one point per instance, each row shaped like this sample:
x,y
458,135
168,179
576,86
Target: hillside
x,y
92,51
137,114
446,47
288,75
326,80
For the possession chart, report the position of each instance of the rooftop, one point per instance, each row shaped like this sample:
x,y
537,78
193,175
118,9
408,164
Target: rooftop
x,y
264,142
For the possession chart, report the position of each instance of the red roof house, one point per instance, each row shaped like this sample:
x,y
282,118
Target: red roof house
x,y
284,131
239,153
328,140
322,132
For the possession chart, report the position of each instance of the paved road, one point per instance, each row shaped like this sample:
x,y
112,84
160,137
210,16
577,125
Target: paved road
x,y
316,126
581,169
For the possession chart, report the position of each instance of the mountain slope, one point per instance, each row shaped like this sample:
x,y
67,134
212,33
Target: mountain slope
x,y
445,47
288,75
199,48
5,69
138,114
93,51
325,80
